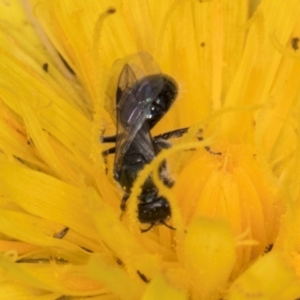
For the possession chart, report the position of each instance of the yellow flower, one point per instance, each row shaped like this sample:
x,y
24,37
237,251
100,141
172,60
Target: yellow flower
x,y
235,202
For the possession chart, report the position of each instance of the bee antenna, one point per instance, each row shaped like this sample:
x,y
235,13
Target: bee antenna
x,y
169,226
161,222
146,230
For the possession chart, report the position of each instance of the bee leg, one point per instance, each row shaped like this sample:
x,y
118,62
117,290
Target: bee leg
x,y
109,151
105,153
207,148
160,141
123,202
172,134
161,144
108,139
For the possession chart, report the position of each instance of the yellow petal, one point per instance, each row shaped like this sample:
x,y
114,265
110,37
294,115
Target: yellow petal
x,y
271,277
209,256
233,186
160,289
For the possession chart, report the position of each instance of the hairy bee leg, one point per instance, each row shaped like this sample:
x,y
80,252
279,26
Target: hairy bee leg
x,y
160,144
159,139
172,134
61,234
106,153
108,139
207,148
111,150
123,202
167,135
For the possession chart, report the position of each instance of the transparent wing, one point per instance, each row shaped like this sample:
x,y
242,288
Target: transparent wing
x,y
142,144
141,64
134,99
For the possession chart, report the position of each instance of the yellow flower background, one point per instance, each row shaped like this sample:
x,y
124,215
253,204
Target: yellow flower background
x,y
235,202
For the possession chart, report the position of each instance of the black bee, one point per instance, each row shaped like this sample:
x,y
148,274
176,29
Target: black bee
x,y
141,101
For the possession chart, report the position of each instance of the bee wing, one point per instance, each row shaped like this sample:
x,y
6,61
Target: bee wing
x,y
141,144
141,65
134,100
144,143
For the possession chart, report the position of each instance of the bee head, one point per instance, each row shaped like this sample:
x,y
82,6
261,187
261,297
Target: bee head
x,y
155,211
